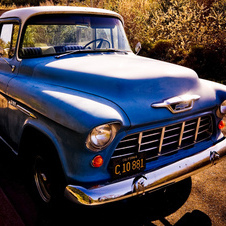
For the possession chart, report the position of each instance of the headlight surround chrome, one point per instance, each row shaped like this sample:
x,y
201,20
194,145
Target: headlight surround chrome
x,y
223,108
101,136
221,112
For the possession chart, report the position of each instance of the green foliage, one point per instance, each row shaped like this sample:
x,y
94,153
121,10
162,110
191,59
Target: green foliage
x,y
159,50
186,32
208,62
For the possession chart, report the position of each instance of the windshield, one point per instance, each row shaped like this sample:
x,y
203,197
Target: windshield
x,y
58,34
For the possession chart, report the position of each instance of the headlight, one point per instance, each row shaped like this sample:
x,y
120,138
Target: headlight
x,y
221,112
223,108
101,136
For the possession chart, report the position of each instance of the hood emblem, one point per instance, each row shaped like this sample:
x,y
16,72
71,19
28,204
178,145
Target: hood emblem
x,y
178,104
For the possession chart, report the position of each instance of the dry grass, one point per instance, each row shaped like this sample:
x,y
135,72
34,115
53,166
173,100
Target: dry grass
x,y
187,32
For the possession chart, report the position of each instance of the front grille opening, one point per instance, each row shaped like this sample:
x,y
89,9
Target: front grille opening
x,y
150,143
128,145
166,140
189,133
205,129
171,139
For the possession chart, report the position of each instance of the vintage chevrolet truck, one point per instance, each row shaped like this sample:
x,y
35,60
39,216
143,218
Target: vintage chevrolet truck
x,y
94,121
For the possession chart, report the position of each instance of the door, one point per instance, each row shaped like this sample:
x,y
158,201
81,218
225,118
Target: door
x,y
9,31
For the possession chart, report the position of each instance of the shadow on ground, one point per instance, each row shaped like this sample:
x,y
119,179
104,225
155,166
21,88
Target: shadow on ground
x,y
135,211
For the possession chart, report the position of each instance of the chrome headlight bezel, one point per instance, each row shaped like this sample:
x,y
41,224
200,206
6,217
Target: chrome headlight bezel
x,y
221,112
223,108
101,136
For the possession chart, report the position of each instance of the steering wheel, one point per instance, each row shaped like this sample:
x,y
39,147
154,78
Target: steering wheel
x,y
100,44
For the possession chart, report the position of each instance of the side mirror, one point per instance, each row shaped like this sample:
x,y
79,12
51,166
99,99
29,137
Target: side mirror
x,y
13,67
138,47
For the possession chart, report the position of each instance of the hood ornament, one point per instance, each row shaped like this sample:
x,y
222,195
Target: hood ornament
x,y
178,104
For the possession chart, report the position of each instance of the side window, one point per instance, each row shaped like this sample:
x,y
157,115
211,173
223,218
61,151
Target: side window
x,y
8,39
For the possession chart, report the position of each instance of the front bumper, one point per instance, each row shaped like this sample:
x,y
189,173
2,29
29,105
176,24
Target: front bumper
x,y
147,181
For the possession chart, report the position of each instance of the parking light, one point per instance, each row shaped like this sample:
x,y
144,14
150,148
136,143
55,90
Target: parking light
x,y
97,161
221,124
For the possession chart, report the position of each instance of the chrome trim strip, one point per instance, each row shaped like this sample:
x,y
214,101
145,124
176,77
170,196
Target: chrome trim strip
x,y
171,136
25,111
203,125
149,149
187,137
122,156
127,147
161,139
191,123
197,129
140,141
169,143
148,181
150,142
203,131
130,139
150,134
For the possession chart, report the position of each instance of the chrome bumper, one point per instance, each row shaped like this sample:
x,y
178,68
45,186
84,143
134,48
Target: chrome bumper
x,y
147,181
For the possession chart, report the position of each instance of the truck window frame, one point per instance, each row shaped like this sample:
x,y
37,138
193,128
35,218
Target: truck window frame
x,y
13,46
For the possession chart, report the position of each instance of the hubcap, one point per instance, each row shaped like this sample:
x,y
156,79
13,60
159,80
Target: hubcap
x,y
41,180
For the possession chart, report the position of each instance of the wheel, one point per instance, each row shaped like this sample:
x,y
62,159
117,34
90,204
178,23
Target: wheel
x,y
97,40
42,179
48,179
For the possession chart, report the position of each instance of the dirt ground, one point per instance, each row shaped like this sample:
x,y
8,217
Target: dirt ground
x,y
207,200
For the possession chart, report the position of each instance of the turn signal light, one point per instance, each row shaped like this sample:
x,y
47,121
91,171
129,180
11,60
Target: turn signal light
x,y
221,124
97,161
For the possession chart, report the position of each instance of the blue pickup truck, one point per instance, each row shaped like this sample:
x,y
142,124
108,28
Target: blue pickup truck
x,y
92,120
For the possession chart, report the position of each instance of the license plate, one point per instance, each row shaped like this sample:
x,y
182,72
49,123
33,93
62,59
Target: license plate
x,y
126,166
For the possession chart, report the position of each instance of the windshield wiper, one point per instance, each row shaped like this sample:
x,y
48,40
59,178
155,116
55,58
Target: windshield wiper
x,y
69,53
90,50
113,50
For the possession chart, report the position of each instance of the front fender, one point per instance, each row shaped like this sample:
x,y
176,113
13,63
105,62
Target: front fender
x,y
73,109
219,89
56,134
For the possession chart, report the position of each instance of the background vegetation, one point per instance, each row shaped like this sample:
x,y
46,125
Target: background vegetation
x,y
186,32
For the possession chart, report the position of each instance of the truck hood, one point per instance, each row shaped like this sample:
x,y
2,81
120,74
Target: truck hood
x,y
133,83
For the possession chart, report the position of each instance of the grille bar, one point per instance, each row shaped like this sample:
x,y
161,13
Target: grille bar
x,y
162,138
166,140
181,134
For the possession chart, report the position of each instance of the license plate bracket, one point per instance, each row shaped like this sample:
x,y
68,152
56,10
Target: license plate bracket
x,y
129,165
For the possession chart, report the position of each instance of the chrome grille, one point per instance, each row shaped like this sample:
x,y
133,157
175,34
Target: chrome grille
x,y
166,140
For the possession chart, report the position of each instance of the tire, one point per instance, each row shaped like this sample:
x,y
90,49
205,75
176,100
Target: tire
x,y
48,179
42,179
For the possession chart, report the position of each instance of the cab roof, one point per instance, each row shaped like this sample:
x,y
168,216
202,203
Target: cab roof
x,y
25,13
